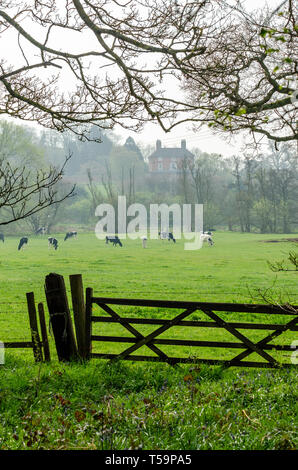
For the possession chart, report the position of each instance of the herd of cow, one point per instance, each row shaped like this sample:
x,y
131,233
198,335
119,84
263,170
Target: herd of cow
x,y
53,242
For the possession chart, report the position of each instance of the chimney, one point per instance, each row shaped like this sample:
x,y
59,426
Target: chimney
x,y
158,144
183,144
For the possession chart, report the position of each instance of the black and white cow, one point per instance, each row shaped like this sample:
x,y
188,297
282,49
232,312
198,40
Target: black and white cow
x,y
23,242
2,237
166,236
40,231
70,235
171,237
115,240
206,238
53,242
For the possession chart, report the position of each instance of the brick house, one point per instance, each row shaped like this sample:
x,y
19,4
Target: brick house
x,y
168,160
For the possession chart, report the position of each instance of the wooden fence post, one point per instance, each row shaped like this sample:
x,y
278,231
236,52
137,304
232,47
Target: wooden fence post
x,y
88,329
78,304
44,335
60,317
37,350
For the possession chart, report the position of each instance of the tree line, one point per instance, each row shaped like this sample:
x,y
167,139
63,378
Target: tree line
x,y
248,193
245,192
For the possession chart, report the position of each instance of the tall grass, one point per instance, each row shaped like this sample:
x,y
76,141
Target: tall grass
x,y
120,406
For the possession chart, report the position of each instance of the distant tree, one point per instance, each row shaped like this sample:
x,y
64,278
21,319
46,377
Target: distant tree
x,y
24,192
266,189
20,145
25,189
94,190
132,146
276,187
244,173
198,183
127,168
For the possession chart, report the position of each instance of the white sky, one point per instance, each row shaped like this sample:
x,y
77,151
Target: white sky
x,y
203,139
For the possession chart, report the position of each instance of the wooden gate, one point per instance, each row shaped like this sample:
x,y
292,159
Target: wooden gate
x,y
151,340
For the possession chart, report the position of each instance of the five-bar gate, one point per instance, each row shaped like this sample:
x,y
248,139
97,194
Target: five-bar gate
x,y
212,310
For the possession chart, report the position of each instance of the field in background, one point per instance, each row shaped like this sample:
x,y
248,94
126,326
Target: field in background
x,y
227,271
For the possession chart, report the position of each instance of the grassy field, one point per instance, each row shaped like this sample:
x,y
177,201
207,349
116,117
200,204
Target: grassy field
x,y
146,405
228,271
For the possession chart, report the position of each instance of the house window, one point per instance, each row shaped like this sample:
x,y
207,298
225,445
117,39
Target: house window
x,y
174,165
159,165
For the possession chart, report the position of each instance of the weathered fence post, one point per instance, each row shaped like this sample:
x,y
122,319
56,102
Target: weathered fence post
x,y
44,335
88,314
60,317
78,304
37,350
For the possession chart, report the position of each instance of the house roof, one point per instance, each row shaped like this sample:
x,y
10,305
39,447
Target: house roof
x,y
176,152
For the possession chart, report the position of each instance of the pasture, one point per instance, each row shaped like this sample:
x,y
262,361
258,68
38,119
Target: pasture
x,y
149,406
233,270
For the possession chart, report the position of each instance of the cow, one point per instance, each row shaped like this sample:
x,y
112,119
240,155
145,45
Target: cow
x,y
70,235
22,243
166,235
204,237
53,242
115,240
171,237
2,237
40,231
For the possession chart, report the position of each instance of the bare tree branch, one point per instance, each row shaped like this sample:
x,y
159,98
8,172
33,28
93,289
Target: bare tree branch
x,y
23,193
235,70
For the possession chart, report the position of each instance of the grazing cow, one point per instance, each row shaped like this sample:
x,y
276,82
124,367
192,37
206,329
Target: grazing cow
x,y
206,238
70,235
53,242
115,240
166,235
23,242
2,237
40,231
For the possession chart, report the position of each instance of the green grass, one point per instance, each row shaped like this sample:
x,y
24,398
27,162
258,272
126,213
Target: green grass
x,y
121,406
149,406
236,264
